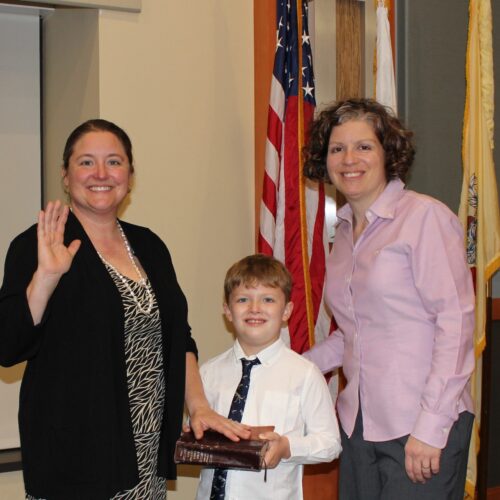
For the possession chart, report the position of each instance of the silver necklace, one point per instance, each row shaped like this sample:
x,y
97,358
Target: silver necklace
x,y
143,282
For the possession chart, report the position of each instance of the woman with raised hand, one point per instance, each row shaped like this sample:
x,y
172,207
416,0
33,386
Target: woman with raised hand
x,y
93,304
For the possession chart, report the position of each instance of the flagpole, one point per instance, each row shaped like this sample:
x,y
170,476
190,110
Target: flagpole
x,y
303,218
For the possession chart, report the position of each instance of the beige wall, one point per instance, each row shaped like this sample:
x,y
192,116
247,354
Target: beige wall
x,y
11,486
179,78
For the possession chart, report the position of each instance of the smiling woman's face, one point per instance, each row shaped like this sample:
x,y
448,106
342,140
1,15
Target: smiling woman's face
x,y
99,174
355,162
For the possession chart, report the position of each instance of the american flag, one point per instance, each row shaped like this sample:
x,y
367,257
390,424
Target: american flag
x,y
292,209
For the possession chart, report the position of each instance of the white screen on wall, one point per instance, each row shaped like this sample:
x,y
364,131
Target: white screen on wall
x,y
20,168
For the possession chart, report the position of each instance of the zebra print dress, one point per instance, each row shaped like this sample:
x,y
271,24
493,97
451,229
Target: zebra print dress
x,y
146,385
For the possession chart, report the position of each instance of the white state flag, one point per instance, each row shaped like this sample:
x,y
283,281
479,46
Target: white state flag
x,y
385,90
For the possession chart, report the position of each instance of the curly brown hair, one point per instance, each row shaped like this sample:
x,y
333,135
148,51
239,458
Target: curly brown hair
x,y
395,139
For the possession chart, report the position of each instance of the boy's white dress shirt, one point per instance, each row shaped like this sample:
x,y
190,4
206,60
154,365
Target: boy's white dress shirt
x,y
286,391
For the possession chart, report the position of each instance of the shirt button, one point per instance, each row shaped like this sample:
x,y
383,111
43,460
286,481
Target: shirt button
x,y
445,430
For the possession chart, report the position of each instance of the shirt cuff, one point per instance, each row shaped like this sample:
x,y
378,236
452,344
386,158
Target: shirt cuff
x,y
297,448
301,452
432,429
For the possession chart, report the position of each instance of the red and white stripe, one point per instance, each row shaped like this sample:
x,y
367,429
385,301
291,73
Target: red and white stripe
x,y
282,219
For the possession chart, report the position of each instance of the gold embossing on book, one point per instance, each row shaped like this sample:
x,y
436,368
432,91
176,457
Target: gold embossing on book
x,y
216,450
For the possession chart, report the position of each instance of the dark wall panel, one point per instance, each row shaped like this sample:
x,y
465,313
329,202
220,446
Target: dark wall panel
x,y
431,39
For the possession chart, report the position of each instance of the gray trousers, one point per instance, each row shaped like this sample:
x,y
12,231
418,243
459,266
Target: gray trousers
x,y
376,470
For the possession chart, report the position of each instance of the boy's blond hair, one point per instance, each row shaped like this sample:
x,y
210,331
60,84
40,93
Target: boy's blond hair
x,y
258,269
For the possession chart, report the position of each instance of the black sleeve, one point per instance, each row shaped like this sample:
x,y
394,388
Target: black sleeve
x,y
180,306
19,337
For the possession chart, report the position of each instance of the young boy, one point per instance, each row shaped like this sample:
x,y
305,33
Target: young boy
x,y
284,389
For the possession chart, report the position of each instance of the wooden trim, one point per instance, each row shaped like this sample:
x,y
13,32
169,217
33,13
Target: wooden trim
x,y
484,428
349,50
10,460
493,493
264,46
495,309
321,481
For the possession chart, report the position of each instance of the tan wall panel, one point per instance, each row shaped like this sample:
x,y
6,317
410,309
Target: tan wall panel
x,y
322,27
12,486
179,78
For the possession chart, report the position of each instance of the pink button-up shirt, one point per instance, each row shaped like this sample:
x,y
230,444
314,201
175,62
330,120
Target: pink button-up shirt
x,y
403,299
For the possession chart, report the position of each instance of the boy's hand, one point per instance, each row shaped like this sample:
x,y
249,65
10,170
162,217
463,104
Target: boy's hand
x,y
204,418
279,448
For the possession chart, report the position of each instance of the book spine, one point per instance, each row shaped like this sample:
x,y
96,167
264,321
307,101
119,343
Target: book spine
x,y
201,457
219,457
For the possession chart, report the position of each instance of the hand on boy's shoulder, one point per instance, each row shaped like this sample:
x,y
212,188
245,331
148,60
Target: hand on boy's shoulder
x,y
279,448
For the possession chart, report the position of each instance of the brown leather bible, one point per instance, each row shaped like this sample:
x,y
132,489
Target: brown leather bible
x,y
216,450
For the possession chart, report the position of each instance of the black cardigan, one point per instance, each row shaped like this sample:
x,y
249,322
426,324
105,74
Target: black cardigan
x,y
74,419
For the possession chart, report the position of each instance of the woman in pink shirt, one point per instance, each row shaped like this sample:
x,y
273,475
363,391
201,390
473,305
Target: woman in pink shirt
x,y
401,292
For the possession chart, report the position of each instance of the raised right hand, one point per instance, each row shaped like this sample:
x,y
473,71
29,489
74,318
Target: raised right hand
x,y
54,258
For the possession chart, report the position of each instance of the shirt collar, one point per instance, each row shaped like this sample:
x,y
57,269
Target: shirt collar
x,y
266,356
384,206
